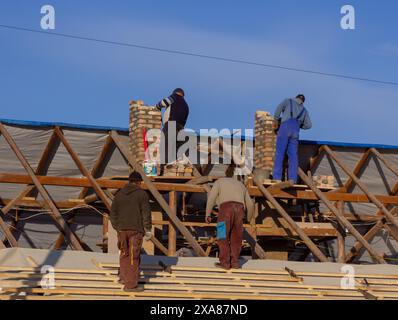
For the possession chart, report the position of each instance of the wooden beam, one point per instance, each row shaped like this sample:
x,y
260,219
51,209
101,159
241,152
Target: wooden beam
x,y
340,236
151,187
55,214
172,238
311,229
362,186
342,220
292,224
106,183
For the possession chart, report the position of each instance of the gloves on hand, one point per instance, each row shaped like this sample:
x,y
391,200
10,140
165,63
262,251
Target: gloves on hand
x,y
208,219
148,235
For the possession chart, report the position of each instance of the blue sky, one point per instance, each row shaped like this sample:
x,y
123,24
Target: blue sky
x,y
56,79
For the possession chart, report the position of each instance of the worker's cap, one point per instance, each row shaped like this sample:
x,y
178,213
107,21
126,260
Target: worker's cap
x,y
135,177
301,96
179,91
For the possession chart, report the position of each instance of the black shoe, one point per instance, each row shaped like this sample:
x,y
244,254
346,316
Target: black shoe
x,y
219,265
136,289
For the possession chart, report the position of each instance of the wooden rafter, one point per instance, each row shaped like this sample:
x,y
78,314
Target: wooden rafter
x,y
41,169
357,248
342,220
362,186
55,214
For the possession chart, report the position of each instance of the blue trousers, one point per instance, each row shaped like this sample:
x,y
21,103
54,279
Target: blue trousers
x,y
287,141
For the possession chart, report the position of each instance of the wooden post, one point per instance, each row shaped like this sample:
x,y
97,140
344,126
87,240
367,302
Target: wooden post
x,y
342,219
59,220
340,237
172,231
292,224
185,232
105,224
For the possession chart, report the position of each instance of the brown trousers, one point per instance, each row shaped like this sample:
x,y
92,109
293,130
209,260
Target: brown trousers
x,y
129,244
232,214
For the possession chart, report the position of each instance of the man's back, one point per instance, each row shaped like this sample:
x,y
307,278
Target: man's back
x,y
229,190
131,209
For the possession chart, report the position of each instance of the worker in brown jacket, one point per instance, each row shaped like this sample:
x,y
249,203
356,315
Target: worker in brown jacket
x,y
232,199
131,218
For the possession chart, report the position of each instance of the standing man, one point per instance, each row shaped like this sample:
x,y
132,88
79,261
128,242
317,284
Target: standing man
x,y
131,217
174,120
291,116
232,199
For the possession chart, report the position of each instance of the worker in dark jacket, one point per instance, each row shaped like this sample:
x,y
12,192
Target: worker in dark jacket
x,y
291,116
131,217
174,119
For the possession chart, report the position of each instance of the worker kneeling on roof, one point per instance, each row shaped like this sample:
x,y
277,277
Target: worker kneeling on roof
x,y
174,119
232,199
131,217
291,116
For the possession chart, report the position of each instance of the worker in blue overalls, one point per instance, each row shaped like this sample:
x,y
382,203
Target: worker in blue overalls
x,y
291,116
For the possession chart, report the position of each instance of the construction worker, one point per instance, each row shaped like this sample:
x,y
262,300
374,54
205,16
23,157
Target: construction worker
x,y
291,116
232,199
131,217
174,119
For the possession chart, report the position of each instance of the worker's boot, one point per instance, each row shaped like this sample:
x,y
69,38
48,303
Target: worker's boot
x,y
219,265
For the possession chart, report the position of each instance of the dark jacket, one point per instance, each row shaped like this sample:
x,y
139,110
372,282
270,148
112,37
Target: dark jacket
x,y
131,209
179,109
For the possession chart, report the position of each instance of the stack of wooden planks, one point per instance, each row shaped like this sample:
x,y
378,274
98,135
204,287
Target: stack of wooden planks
x,y
178,170
188,282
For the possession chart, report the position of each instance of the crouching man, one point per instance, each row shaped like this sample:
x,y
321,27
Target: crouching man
x,y
131,217
233,200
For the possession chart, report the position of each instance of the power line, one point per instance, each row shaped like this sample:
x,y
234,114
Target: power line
x,y
198,55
